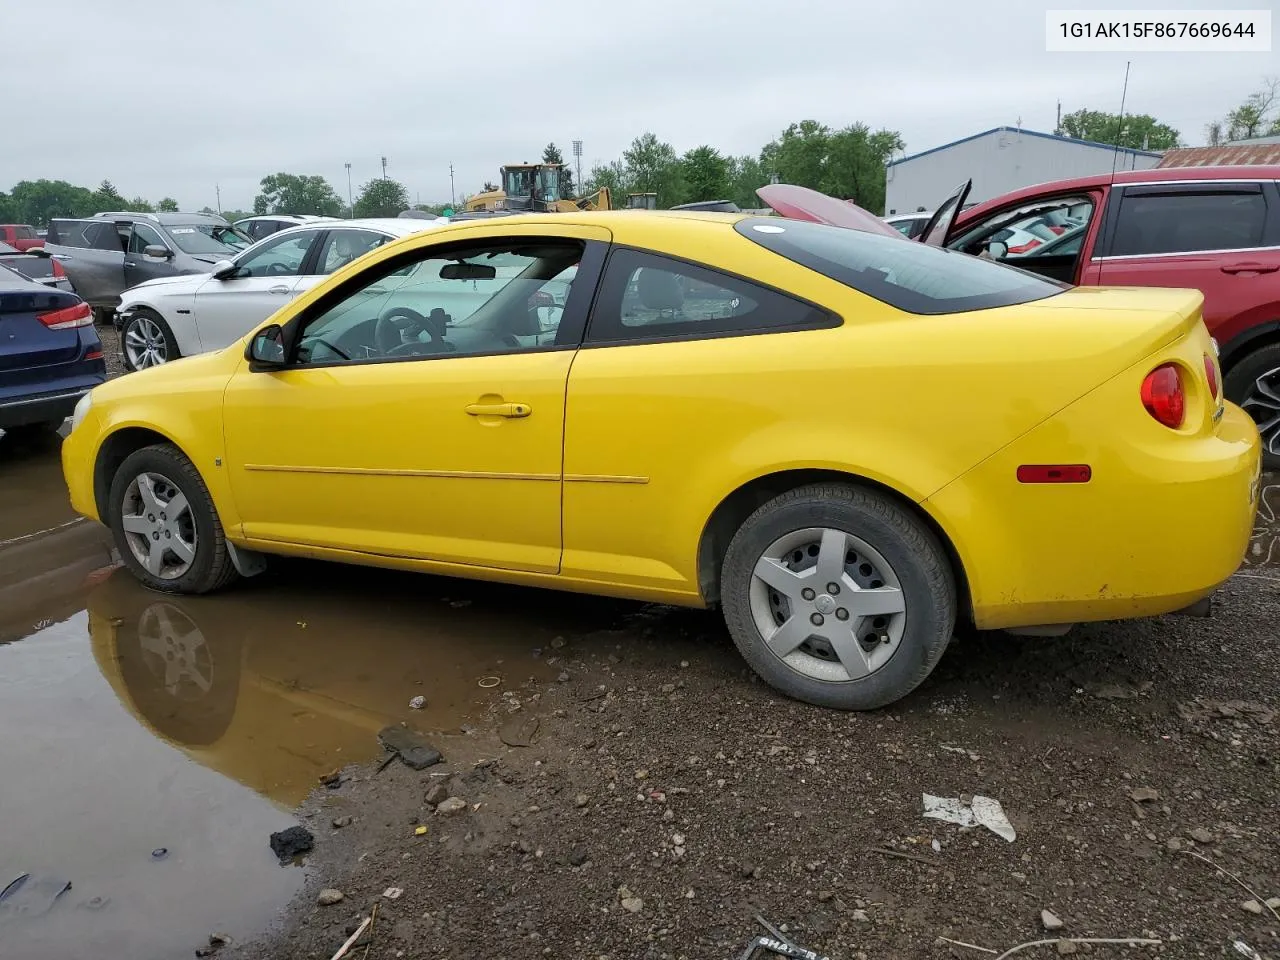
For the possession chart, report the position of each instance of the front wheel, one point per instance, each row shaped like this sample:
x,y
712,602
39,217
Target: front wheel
x,y
165,525
837,596
146,341
1254,384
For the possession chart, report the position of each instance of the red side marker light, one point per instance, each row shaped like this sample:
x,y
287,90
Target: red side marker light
x,y
1054,473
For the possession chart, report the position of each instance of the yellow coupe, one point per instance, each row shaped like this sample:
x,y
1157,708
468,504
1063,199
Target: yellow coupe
x,y
845,440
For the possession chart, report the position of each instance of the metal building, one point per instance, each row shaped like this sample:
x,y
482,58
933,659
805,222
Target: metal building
x,y
998,161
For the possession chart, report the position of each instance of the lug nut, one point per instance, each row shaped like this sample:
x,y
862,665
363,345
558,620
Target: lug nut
x,y
816,620
807,593
842,614
833,588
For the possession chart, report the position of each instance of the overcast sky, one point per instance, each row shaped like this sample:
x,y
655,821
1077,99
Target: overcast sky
x,y
171,98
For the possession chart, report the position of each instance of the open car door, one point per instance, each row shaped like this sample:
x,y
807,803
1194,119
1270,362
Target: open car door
x,y
939,225
801,203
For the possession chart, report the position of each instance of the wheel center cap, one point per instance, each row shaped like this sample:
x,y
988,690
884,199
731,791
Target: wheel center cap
x,y
825,603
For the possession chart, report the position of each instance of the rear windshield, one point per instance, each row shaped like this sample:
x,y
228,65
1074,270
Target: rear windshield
x,y
905,274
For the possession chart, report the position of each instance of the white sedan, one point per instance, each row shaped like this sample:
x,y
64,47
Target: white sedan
x,y
162,320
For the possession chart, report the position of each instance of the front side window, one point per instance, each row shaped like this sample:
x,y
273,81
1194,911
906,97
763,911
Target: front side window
x,y
208,239
645,296
343,246
281,257
496,297
913,277
1021,231
1184,221
143,236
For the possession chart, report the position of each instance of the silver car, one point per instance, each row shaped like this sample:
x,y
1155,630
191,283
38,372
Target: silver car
x,y
108,253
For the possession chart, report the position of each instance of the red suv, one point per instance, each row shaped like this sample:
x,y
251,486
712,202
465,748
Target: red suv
x,y
1216,229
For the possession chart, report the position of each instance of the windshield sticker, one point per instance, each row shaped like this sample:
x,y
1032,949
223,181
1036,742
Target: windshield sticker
x,y
177,230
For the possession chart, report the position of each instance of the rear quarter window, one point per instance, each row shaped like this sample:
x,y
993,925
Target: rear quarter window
x,y
906,274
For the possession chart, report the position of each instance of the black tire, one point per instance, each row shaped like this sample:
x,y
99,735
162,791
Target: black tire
x,y
910,548
211,569
171,351
1240,382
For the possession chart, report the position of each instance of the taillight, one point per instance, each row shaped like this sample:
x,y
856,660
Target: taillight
x,y
1211,374
57,269
1163,396
81,315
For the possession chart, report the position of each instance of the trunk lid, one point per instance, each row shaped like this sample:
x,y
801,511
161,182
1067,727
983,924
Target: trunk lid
x,y
25,342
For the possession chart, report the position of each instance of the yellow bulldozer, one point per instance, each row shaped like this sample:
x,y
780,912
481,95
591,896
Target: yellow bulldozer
x,y
536,187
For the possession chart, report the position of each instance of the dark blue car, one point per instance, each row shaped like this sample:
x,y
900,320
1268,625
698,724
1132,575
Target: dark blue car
x,y
50,354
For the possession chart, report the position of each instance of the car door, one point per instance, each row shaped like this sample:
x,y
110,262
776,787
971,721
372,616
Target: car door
x,y
139,267
337,248
1207,235
92,254
264,278
414,415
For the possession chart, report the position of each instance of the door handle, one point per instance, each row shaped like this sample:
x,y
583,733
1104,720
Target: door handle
x,y
509,410
130,263
1250,268
279,290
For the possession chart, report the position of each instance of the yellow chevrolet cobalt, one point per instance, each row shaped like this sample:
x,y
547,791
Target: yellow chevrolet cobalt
x,y
846,441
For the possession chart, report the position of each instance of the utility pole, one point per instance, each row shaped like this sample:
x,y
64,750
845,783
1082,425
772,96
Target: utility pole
x,y
577,157
217,189
384,168
351,204
453,199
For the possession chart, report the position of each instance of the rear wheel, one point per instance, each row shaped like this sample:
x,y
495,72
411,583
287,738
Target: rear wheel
x,y
164,523
1254,383
146,341
837,596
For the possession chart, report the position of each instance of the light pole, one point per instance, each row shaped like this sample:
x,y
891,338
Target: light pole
x,y
351,204
384,168
453,197
577,157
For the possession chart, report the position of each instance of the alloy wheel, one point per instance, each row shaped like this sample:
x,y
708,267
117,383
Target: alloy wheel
x,y
828,604
144,344
159,526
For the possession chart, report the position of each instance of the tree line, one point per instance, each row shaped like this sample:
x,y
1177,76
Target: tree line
x,y
847,162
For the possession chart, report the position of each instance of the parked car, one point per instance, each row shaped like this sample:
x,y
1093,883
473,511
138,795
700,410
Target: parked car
x,y
50,354
164,319
42,269
106,254
258,228
859,441
20,236
1214,229
910,225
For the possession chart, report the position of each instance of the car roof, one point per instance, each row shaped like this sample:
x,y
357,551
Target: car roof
x,y
291,217
164,219
394,226
1121,177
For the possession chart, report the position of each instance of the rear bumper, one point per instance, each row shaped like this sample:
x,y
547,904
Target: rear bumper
x,y
40,409
1158,528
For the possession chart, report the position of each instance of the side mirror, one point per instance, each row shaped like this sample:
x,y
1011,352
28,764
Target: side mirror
x,y
224,269
157,251
266,350
997,250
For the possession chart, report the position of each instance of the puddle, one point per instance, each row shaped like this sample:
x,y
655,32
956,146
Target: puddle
x,y
134,721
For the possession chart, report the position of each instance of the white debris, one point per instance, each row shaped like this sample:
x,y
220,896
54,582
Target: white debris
x,y
1246,950
393,893
983,811
417,703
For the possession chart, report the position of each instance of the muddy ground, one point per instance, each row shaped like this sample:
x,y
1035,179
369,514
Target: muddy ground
x,y
632,790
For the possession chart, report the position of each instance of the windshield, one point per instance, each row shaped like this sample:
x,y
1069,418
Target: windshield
x,y
208,238
549,183
518,182
910,276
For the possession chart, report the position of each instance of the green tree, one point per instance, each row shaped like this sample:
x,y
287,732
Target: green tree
x,y
140,205
1137,131
38,201
108,197
167,205
612,176
7,208
1254,117
382,198
746,175
552,155
653,167
706,174
847,163
292,193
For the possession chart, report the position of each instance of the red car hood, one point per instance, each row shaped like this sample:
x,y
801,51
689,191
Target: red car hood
x,y
801,203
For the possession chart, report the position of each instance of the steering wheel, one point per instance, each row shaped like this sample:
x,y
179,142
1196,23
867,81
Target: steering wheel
x,y
398,322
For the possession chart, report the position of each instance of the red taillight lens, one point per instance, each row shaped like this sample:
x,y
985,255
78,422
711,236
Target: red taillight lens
x,y
1211,374
57,268
93,355
81,315
1163,397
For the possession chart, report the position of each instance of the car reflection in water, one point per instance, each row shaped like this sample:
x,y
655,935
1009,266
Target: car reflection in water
x,y
275,685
